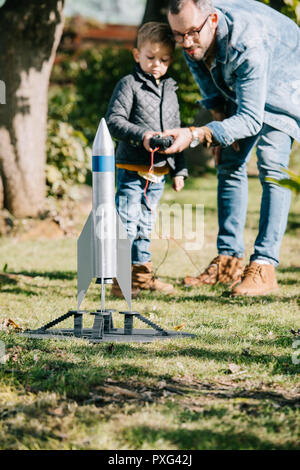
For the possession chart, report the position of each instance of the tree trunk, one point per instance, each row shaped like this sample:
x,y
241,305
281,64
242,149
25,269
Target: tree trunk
x,y
30,32
156,10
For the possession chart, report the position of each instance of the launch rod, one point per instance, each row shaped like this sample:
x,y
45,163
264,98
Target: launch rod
x,y
102,296
102,264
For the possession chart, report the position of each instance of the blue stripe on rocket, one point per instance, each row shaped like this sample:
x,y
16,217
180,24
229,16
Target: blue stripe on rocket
x,y
103,164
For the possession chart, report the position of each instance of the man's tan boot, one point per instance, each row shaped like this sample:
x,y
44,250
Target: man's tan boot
x,y
142,278
223,269
258,279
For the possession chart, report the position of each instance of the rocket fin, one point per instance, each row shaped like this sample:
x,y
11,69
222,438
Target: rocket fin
x,y
123,261
85,259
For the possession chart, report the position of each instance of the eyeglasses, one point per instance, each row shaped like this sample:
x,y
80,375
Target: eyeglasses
x,y
191,34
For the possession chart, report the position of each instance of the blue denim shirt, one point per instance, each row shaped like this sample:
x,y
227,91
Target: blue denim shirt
x,y
256,70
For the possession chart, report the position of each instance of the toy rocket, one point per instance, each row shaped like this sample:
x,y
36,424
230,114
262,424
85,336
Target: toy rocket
x,y
103,248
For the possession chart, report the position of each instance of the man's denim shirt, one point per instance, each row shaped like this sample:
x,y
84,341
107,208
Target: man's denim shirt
x,y
256,69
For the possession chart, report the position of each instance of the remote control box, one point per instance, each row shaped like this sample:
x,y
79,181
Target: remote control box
x,y
162,142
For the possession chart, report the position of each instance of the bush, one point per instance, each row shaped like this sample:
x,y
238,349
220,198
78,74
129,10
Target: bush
x,y
68,158
62,102
98,74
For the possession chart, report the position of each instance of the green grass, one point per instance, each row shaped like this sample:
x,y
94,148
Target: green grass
x,y
173,394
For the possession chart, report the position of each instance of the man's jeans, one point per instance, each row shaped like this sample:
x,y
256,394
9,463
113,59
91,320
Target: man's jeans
x,y
273,152
135,213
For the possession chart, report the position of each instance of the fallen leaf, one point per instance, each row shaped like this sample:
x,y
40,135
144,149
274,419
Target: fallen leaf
x,y
179,327
9,324
57,411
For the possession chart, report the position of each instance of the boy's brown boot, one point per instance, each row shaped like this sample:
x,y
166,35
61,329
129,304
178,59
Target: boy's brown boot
x,y
223,269
142,279
116,291
258,279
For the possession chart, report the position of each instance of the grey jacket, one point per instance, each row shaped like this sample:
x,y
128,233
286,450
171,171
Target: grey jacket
x,y
138,105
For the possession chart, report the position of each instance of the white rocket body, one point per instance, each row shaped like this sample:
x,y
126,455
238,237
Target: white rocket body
x,y
103,248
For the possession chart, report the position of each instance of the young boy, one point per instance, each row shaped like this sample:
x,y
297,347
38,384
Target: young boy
x,y
143,104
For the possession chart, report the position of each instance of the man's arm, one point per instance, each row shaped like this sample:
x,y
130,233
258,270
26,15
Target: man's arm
x,y
251,91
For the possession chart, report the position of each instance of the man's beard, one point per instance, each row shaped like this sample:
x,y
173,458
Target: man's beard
x,y
199,53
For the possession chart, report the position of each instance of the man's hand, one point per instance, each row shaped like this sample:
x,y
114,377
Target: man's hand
x,y
182,137
146,140
178,183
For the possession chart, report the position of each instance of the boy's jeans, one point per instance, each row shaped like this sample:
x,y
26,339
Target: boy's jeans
x,y
135,213
273,152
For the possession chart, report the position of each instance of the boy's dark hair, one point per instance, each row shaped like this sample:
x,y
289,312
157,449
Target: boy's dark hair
x,y
206,6
155,32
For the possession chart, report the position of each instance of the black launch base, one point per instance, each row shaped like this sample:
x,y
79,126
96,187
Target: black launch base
x,y
103,328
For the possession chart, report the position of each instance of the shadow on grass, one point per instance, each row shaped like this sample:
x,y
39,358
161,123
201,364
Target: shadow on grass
x,y
290,269
224,298
293,224
18,291
288,282
199,439
72,373
79,383
61,275
22,283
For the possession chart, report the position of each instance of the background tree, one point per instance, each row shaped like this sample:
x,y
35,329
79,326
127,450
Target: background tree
x,y
30,32
155,10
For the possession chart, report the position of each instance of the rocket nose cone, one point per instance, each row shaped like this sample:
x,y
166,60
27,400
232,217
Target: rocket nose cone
x,y
103,144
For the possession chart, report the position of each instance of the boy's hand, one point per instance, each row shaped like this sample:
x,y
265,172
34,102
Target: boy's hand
x,y
178,183
146,139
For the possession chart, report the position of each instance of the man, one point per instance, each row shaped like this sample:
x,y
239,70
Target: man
x,y
245,57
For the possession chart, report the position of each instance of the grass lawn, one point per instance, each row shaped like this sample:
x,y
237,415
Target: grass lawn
x,y
234,386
